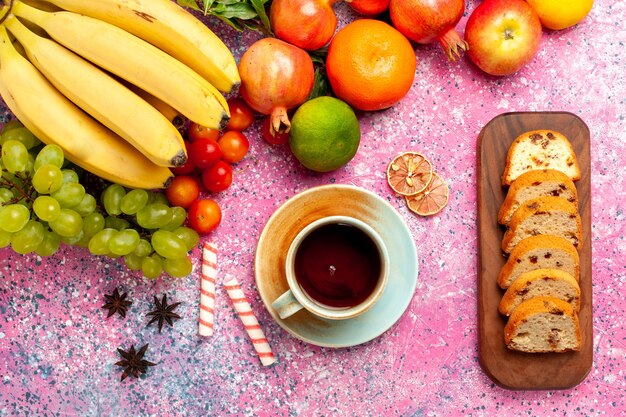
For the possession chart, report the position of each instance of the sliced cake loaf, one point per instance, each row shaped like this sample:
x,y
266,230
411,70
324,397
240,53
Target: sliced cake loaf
x,y
540,251
540,149
543,324
533,184
547,282
547,216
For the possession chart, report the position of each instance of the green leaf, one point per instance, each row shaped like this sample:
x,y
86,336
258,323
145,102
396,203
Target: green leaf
x,y
238,10
189,3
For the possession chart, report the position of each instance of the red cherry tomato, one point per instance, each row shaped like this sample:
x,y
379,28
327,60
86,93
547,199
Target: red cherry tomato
x,y
204,153
277,139
187,167
204,215
197,131
218,177
241,115
183,191
234,146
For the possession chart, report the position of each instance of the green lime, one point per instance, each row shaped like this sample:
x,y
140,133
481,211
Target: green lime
x,y
324,134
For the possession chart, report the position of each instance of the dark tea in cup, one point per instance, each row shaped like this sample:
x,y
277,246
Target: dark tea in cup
x,y
338,265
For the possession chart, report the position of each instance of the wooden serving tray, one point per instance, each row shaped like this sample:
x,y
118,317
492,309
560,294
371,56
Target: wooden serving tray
x,y
511,369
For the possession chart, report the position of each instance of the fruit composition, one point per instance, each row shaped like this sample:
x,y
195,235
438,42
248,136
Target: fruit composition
x,y
118,87
325,134
561,14
46,202
369,52
503,36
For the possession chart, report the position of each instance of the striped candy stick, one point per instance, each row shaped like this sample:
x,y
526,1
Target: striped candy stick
x,y
242,306
207,289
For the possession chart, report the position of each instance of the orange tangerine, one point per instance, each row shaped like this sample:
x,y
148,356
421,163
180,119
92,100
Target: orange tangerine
x,y
432,200
370,64
409,173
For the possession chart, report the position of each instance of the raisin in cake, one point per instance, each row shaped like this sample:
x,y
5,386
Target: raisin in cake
x,y
548,282
540,149
533,184
536,252
543,324
547,216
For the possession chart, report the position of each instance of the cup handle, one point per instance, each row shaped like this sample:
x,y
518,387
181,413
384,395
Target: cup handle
x,y
286,305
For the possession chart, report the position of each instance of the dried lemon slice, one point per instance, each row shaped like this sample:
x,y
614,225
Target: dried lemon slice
x,y
409,173
432,200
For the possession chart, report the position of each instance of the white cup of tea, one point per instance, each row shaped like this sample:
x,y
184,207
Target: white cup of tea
x,y
337,267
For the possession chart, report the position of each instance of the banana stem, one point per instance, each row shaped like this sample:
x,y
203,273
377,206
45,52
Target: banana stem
x,y
6,10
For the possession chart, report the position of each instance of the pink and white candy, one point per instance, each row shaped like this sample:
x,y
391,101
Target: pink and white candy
x,y
207,289
242,306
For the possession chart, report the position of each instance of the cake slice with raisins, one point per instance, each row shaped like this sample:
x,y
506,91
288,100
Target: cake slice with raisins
x,y
537,252
544,216
548,282
540,149
543,324
533,184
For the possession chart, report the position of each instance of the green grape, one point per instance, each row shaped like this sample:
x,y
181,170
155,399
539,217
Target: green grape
x,y
123,242
154,216
152,266
70,194
49,245
5,195
86,206
168,245
28,238
69,175
158,197
189,236
133,201
47,179
116,223
67,224
14,156
11,124
178,267
30,164
144,248
133,262
93,223
50,154
112,197
13,217
46,208
98,244
5,238
73,240
179,215
20,134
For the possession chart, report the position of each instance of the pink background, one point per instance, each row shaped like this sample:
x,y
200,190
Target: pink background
x,y
57,349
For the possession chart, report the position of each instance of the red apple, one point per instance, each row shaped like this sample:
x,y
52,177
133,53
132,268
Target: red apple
x,y
503,35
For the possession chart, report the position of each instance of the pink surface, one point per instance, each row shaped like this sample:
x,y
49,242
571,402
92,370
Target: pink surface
x,y
57,349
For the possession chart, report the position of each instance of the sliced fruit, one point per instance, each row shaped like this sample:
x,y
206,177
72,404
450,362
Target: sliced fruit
x,y
409,173
432,200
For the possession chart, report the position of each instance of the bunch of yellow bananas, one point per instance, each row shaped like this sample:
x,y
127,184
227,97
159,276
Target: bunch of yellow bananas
x,y
104,80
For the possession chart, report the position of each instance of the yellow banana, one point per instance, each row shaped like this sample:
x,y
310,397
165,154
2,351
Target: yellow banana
x,y
134,60
171,28
55,119
104,98
170,113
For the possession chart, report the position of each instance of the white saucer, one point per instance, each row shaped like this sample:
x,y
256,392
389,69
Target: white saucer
x,y
359,203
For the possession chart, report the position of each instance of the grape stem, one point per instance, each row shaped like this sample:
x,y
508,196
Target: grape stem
x,y
24,194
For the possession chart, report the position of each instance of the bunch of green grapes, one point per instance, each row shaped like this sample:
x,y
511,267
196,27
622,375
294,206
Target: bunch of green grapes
x,y
43,203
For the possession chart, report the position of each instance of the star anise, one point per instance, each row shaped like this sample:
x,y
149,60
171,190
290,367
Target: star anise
x,y
163,312
133,362
116,303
